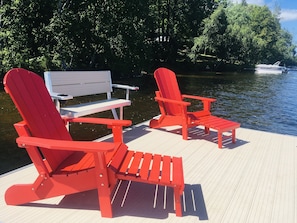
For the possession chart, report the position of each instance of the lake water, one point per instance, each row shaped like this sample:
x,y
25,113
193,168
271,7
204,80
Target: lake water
x,y
261,102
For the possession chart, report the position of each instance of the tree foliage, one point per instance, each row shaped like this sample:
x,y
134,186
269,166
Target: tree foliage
x,y
22,32
244,34
212,39
130,36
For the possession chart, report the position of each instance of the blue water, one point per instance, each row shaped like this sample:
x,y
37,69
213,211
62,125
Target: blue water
x,y
262,102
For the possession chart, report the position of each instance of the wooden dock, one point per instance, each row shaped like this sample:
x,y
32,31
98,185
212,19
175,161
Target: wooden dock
x,y
254,180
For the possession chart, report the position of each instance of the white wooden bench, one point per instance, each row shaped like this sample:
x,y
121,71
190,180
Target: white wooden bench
x,y
65,85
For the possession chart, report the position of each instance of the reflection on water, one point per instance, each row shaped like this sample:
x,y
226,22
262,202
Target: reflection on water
x,y
262,102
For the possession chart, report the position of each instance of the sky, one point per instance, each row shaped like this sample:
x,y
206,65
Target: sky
x,y
288,16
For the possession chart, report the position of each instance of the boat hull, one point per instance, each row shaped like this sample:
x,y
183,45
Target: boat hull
x,y
270,69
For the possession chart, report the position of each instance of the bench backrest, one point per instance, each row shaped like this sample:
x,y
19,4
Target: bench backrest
x,y
78,83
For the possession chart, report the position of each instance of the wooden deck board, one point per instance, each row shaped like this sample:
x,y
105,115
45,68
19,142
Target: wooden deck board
x,y
254,180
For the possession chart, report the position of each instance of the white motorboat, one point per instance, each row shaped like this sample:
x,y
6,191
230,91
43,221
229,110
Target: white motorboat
x,y
275,68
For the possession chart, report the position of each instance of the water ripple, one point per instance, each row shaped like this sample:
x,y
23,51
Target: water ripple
x,y
262,102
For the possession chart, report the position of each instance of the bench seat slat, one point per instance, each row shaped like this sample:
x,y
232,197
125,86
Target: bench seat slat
x,y
93,107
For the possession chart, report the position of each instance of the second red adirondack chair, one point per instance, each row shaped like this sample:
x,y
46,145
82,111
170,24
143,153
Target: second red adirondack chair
x,y
174,109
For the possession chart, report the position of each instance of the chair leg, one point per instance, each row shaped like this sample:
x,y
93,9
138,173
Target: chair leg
x,y
178,203
105,206
220,139
185,132
103,185
104,197
233,136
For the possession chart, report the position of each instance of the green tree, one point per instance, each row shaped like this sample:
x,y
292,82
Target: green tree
x,y
176,22
22,33
255,35
130,36
213,38
240,34
100,34
243,34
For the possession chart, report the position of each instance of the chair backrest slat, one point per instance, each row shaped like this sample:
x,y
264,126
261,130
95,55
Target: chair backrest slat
x,y
168,88
35,105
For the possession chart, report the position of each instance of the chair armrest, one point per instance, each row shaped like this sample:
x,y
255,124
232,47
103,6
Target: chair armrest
x,y
60,96
26,141
198,98
206,101
125,87
115,125
183,103
102,121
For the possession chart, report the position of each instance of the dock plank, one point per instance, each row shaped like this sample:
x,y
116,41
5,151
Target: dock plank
x,y
253,180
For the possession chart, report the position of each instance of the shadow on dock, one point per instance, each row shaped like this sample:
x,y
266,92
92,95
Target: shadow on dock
x,y
140,201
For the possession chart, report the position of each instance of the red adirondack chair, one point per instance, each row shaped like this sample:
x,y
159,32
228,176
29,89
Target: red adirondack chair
x,y
65,166
174,110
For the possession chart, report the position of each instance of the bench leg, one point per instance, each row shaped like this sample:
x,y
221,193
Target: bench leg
x,y
121,113
114,113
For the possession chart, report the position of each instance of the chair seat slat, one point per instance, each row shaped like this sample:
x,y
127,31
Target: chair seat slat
x,y
166,170
134,168
127,160
144,171
155,171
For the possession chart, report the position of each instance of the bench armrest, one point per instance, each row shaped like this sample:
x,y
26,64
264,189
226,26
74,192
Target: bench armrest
x,y
57,97
126,87
27,141
60,96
